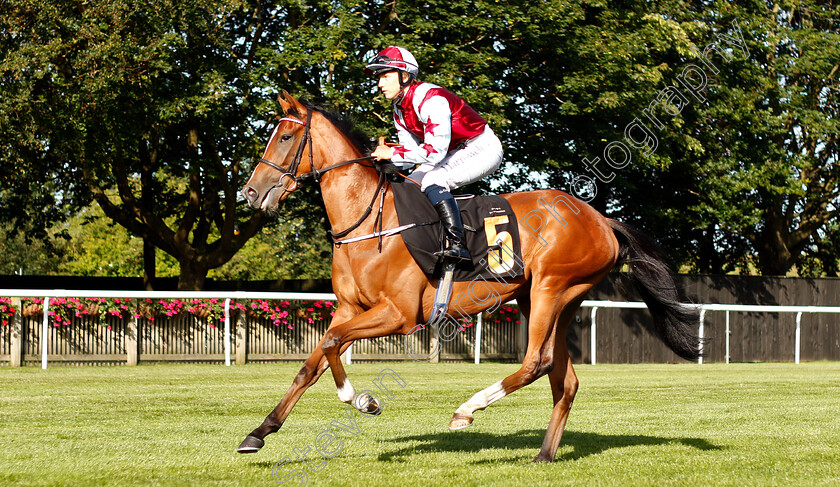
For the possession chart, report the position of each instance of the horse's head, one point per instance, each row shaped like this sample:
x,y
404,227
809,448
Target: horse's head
x,y
275,177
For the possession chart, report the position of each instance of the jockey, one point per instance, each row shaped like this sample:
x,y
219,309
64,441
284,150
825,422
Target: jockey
x,y
441,139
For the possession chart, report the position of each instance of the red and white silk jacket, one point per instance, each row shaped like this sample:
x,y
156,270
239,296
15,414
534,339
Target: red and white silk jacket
x,y
431,122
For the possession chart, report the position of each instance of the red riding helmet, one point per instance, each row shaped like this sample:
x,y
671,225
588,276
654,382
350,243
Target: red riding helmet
x,y
392,58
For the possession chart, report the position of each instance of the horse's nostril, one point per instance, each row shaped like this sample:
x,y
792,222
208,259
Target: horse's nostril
x,y
250,195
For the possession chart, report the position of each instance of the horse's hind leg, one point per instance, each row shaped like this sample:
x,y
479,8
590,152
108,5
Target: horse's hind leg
x,y
564,385
539,359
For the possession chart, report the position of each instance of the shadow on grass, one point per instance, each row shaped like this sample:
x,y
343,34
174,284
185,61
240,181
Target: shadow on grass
x,y
583,444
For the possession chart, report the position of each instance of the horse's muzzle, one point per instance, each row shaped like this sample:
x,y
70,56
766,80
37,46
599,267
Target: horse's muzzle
x,y
252,196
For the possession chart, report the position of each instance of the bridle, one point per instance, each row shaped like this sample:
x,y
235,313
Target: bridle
x,y
292,170
315,174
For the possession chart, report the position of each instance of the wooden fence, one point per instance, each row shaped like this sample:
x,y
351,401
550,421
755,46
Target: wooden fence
x,y
623,335
188,338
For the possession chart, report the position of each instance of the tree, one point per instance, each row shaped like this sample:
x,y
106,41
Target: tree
x,y
155,111
158,111
150,101
739,172
770,171
33,257
98,247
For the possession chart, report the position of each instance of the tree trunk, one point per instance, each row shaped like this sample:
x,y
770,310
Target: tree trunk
x,y
192,275
148,265
774,255
771,262
148,161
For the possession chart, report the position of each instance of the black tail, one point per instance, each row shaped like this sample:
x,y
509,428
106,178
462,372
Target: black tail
x,y
674,323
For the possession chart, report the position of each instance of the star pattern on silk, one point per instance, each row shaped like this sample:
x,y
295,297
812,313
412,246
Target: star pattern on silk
x,y
399,150
430,127
429,149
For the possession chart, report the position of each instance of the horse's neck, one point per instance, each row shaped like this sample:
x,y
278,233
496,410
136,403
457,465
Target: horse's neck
x,y
348,191
348,194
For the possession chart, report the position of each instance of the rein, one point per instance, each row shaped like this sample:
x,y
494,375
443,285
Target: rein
x,y
316,173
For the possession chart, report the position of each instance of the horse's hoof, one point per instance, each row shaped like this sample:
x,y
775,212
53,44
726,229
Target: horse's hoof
x,y
460,422
251,444
367,404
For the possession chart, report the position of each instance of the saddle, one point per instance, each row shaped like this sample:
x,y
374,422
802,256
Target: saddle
x,y
492,234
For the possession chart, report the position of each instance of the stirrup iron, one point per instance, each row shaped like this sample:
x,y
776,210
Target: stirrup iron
x,y
442,295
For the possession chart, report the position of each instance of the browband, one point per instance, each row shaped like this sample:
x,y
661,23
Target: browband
x,y
294,120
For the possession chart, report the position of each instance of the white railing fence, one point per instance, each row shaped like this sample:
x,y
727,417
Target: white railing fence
x,y
229,296
741,308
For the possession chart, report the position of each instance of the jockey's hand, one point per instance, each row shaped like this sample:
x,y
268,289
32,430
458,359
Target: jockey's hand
x,y
383,153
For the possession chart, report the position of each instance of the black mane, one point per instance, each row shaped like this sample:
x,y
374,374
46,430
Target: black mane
x,y
346,125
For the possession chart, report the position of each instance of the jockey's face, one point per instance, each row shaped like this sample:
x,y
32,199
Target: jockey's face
x,y
389,83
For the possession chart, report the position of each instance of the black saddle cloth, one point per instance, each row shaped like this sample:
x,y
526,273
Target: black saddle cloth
x,y
480,214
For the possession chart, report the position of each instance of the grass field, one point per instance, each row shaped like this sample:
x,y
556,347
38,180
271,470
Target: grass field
x,y
651,425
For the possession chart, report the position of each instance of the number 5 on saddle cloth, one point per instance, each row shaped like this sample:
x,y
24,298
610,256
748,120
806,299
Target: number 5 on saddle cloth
x,y
492,237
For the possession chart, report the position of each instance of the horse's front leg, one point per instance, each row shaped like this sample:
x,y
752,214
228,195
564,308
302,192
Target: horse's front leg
x,y
381,320
309,374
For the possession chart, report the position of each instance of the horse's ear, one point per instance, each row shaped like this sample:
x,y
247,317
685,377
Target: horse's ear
x,y
283,98
290,103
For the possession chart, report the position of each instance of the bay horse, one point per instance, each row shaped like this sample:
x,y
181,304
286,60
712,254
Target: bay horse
x,y
381,291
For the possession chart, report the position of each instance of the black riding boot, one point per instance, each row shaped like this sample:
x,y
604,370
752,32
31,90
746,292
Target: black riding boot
x,y
450,218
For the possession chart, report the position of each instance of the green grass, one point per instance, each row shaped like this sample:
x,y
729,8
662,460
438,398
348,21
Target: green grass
x,y
739,424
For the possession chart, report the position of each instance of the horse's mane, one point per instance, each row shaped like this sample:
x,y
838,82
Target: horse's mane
x,y
346,125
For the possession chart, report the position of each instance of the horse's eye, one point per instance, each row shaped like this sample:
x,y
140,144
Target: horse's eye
x,y
284,138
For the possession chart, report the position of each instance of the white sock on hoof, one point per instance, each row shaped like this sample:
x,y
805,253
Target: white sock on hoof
x,y
346,392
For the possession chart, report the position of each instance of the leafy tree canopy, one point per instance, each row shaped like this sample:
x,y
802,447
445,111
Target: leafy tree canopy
x,y
158,111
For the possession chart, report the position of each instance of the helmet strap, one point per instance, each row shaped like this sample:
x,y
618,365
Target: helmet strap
x,y
407,82
403,85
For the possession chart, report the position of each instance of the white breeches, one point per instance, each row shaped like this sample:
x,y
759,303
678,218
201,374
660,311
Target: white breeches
x,y
480,157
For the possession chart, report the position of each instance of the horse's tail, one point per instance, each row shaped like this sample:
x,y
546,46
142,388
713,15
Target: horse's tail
x,y
674,322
